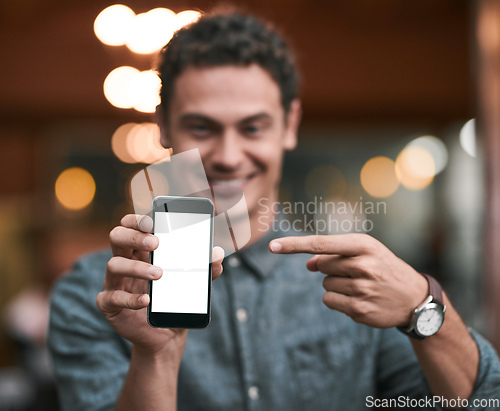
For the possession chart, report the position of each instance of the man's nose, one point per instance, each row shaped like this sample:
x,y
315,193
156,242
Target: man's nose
x,y
228,152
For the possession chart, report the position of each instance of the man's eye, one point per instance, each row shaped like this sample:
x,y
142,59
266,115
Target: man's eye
x,y
200,129
252,129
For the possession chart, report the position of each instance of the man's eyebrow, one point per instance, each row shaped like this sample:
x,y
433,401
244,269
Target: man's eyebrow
x,y
198,117
256,117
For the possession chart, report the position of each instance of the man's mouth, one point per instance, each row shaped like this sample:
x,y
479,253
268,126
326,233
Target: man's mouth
x,y
223,183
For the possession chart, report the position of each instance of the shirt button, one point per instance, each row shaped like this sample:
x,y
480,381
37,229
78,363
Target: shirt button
x,y
242,315
233,262
253,393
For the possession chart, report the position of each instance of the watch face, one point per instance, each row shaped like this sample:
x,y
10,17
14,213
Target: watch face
x,y
429,321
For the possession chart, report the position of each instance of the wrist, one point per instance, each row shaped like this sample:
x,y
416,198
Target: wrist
x,y
166,359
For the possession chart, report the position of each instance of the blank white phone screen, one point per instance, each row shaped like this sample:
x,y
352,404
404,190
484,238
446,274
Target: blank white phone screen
x,y
183,254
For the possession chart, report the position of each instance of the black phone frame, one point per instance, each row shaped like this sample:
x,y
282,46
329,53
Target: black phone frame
x,y
197,205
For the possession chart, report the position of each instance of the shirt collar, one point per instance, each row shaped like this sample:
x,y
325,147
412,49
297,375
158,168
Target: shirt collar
x,y
258,257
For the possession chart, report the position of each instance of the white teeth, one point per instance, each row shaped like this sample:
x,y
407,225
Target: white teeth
x,y
234,182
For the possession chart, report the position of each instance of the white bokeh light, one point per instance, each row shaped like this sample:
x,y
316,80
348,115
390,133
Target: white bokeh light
x,y
186,17
145,91
152,30
117,86
127,87
436,148
112,25
415,168
468,137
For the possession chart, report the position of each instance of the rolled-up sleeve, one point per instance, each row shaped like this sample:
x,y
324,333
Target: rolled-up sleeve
x,y
487,387
400,375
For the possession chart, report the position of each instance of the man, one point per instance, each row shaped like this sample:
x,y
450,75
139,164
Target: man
x,y
277,341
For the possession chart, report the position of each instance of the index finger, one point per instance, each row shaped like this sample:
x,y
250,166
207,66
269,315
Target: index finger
x,y
139,222
343,244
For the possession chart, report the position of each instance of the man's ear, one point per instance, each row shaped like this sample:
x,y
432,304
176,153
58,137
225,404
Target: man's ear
x,y
292,125
161,121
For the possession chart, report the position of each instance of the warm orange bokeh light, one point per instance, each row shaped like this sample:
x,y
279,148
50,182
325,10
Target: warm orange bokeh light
x,y
75,188
138,143
415,168
378,177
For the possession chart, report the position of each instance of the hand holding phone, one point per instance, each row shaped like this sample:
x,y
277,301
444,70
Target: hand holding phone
x,y
125,298
181,297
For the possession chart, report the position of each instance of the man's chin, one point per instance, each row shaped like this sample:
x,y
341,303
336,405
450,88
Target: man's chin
x,y
228,199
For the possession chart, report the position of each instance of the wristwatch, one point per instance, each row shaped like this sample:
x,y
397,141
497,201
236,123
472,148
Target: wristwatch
x,y
428,317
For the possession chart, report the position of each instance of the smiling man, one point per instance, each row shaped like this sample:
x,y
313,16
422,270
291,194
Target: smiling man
x,y
277,340
235,117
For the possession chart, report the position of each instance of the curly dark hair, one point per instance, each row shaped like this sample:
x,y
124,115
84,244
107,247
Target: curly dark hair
x,y
228,38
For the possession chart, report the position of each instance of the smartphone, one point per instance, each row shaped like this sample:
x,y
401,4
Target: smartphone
x,y
181,297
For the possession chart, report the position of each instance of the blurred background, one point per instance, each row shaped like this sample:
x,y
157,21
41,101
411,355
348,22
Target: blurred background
x,y
401,114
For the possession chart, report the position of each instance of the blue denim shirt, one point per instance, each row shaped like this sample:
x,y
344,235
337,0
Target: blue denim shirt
x,y
271,345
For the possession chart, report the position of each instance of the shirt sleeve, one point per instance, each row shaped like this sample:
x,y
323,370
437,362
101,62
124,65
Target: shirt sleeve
x,y
399,374
90,359
487,386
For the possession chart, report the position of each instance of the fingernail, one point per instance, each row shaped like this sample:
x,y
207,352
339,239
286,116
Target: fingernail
x,y
218,253
276,247
154,271
141,225
148,241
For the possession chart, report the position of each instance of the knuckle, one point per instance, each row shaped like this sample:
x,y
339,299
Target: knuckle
x,y
131,302
99,299
126,218
114,234
359,309
369,243
322,264
362,288
136,240
137,269
327,299
112,266
319,244
114,299
361,267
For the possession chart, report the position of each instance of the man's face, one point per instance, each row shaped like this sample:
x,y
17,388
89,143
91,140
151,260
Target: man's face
x,y
234,116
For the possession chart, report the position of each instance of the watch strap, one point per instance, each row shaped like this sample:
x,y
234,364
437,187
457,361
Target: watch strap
x,y
436,292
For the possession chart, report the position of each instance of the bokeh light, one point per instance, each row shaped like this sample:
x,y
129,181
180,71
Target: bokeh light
x,y
325,181
378,177
435,147
138,143
117,86
152,30
145,91
127,87
415,168
186,17
112,26
468,137
144,33
75,188
119,143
